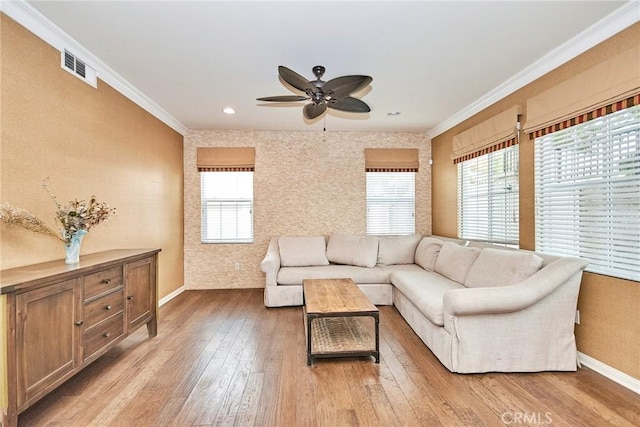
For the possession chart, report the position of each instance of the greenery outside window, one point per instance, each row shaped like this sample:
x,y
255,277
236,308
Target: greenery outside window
x,y
588,193
488,198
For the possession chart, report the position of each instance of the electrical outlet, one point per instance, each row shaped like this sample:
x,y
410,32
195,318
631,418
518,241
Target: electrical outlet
x,y
577,317
237,266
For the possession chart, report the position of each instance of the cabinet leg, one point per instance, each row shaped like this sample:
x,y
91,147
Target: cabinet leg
x,y
152,327
9,419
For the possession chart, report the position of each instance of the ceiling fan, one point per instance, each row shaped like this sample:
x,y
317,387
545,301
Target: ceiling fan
x,y
334,93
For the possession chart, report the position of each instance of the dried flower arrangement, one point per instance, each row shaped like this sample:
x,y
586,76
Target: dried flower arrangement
x,y
74,216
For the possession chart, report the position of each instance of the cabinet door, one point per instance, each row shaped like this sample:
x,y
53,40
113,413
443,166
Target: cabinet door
x,y
140,288
48,338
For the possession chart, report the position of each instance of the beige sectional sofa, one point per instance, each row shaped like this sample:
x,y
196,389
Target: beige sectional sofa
x,y
478,308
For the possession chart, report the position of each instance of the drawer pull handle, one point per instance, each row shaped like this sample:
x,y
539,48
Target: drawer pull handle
x,y
79,323
130,297
107,307
106,334
106,281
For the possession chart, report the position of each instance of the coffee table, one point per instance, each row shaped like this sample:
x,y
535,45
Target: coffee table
x,y
331,311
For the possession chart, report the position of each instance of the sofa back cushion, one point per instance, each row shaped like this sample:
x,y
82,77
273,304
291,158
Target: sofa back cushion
x,y
455,261
352,250
427,252
302,251
394,250
498,267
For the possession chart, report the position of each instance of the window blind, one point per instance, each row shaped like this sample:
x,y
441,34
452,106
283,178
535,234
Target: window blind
x,y
390,203
588,193
488,197
227,207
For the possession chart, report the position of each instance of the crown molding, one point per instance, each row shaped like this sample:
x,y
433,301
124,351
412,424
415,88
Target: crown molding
x,y
623,17
34,21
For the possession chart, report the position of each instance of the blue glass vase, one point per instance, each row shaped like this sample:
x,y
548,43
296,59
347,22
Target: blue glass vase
x,y
72,251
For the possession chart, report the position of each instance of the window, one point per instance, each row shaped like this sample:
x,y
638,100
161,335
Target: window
x,y
390,202
488,197
588,193
227,207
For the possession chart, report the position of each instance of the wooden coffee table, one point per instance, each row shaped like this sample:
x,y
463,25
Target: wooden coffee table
x,y
332,327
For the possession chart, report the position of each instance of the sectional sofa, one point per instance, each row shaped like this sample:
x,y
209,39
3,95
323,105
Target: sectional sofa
x,y
479,308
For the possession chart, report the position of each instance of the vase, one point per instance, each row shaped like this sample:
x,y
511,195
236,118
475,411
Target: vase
x,y
72,250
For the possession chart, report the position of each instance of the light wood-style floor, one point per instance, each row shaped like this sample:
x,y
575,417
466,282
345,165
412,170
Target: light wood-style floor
x,y
222,358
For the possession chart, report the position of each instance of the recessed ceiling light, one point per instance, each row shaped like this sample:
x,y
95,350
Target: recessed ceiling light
x,y
228,110
394,113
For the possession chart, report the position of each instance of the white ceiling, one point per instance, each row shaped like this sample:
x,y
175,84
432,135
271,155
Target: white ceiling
x,y
429,59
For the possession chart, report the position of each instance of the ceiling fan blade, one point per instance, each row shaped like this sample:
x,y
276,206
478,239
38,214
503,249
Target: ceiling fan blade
x,y
353,105
295,79
313,110
285,98
345,85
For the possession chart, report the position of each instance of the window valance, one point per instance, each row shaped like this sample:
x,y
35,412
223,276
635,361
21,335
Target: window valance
x,y
605,84
225,159
599,112
498,132
391,159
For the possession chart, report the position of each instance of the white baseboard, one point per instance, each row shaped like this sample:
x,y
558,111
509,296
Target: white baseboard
x,y
613,374
171,296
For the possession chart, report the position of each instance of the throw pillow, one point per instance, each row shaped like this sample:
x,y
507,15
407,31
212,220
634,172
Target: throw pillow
x,y
397,249
302,251
501,267
352,250
455,261
427,252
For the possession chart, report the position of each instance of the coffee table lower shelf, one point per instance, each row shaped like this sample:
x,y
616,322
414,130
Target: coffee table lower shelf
x,y
343,336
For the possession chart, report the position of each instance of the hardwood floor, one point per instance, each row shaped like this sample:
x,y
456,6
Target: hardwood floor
x,y
222,358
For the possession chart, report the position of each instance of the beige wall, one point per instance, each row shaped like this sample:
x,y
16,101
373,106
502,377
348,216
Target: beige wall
x,y
86,141
609,307
305,183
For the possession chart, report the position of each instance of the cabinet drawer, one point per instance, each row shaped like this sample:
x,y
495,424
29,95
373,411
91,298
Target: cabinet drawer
x,y
103,334
102,282
103,308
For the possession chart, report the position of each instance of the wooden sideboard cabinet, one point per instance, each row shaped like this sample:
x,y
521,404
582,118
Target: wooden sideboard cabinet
x,y
60,318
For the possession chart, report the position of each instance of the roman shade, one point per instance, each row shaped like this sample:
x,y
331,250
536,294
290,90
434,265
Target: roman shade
x,y
225,159
391,159
498,132
590,94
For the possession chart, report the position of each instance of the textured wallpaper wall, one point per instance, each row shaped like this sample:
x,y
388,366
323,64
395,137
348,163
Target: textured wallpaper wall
x,y
87,141
305,183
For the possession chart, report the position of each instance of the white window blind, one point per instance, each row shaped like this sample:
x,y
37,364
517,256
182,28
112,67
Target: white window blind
x,y
488,202
588,193
227,207
390,203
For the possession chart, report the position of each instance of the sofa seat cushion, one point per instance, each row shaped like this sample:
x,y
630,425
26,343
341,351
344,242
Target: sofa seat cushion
x,y
425,289
360,275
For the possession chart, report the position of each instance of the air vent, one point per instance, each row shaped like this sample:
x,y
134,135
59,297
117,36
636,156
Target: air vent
x,y
78,68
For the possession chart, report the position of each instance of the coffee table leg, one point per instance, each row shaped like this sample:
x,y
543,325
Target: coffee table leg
x,y
309,340
376,316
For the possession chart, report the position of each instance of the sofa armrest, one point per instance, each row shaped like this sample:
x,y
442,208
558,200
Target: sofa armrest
x,y
270,265
509,299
